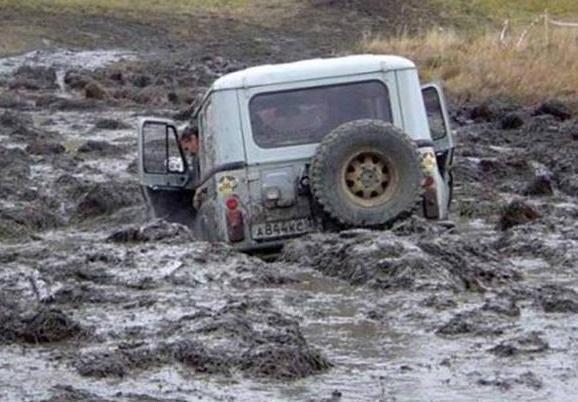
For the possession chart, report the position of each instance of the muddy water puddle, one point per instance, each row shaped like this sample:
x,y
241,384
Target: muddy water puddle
x,y
63,60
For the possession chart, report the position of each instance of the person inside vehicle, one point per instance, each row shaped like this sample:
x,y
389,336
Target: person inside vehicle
x,y
190,141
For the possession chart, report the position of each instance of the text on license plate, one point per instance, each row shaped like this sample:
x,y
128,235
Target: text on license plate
x,y
273,230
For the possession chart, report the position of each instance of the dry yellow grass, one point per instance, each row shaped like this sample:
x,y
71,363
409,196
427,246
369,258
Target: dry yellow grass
x,y
479,66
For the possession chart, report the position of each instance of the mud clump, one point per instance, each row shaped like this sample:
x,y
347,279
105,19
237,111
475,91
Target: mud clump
x,y
105,198
20,128
125,359
476,322
67,104
491,319
11,101
68,393
528,379
45,148
155,231
502,305
540,185
43,326
490,110
554,108
517,213
93,90
81,294
196,356
385,261
569,185
476,266
14,164
35,216
101,148
511,121
142,80
34,78
120,362
283,362
14,120
77,80
522,345
10,232
557,299
111,124
247,335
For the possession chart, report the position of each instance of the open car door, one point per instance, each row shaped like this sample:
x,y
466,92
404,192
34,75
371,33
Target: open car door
x,y
162,164
438,118
441,132
166,179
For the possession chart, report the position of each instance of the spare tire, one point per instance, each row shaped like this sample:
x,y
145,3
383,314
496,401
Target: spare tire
x,y
366,173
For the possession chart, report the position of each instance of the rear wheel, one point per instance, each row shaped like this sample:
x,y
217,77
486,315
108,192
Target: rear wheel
x,y
366,173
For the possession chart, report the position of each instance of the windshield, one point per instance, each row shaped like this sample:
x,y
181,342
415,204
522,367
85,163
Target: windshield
x,y
305,116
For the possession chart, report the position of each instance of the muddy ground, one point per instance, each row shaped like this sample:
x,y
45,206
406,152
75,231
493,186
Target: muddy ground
x,y
98,303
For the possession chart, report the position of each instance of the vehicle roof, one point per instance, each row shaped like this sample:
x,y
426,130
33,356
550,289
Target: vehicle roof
x,y
310,70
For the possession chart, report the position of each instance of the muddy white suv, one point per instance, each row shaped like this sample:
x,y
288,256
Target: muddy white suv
x,y
294,148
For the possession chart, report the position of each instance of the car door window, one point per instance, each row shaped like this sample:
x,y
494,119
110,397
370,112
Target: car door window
x,y
162,153
435,113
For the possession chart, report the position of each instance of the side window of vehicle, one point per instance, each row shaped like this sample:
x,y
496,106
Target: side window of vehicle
x,y
162,153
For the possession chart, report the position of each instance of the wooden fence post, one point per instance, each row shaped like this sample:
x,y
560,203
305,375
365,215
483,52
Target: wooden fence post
x,y
547,28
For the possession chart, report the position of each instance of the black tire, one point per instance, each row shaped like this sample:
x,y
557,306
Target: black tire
x,y
372,156
172,206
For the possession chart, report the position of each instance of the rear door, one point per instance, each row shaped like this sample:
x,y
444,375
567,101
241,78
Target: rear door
x,y
439,124
162,164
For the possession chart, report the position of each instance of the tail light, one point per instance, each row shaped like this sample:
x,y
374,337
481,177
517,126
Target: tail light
x,y
232,203
235,220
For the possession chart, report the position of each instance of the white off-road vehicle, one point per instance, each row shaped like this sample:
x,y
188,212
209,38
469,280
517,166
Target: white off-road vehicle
x,y
293,148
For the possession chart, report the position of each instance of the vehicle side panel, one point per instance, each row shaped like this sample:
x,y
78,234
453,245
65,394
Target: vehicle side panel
x,y
221,133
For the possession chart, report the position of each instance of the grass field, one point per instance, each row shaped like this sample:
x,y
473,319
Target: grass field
x,y
25,23
527,64
464,51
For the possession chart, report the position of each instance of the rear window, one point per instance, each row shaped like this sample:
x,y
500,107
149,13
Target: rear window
x,y
305,116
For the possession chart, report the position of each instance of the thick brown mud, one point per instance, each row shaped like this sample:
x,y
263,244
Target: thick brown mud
x,y
99,303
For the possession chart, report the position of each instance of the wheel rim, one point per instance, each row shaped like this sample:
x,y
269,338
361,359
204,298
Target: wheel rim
x,y
369,178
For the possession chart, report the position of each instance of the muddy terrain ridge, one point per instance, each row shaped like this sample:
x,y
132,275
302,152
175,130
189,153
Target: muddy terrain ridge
x,y
100,303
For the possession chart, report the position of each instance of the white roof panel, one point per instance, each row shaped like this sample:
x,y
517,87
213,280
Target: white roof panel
x,y
310,70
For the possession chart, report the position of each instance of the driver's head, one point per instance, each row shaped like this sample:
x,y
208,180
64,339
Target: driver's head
x,y
190,140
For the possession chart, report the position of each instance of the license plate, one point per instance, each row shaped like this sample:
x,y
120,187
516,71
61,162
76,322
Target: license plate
x,y
274,230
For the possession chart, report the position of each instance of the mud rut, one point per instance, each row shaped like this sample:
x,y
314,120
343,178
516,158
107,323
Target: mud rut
x,y
97,303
